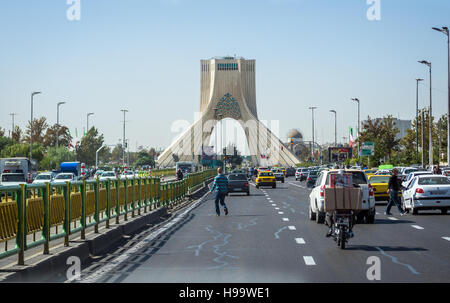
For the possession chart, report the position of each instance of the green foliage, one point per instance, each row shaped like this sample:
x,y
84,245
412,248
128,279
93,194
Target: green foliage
x,y
23,150
4,142
90,143
55,156
144,158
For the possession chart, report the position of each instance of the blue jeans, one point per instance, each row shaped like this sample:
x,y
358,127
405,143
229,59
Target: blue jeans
x,y
393,199
219,197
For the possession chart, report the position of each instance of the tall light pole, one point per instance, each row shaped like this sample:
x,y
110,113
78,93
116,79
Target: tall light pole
x,y
335,127
358,128
216,147
123,141
13,126
445,30
87,121
312,108
31,124
417,117
57,122
221,141
430,147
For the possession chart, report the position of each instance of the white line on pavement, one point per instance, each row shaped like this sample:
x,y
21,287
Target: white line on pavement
x,y
291,227
277,208
281,213
417,226
285,219
392,218
296,185
446,238
300,240
309,260
274,205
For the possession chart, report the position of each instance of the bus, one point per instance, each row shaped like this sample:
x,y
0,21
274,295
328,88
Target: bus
x,y
186,167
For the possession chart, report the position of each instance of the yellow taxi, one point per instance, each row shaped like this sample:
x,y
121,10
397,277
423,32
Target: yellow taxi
x,y
265,178
379,185
370,172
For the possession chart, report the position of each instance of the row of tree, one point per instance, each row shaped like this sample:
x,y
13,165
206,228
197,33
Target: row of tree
x,y
49,156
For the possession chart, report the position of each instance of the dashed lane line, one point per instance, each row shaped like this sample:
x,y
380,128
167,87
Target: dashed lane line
x,y
291,227
417,227
309,260
297,185
392,218
446,238
277,208
285,219
281,213
300,240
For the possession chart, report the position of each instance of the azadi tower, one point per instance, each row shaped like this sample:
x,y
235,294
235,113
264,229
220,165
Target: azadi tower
x,y
228,91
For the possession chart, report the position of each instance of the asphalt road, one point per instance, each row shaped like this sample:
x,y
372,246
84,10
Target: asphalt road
x,y
267,237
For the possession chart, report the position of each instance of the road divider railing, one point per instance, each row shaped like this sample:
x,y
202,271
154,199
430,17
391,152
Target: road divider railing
x,y
157,173
56,211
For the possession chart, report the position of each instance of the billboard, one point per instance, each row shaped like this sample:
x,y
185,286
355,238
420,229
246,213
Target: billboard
x,y
339,154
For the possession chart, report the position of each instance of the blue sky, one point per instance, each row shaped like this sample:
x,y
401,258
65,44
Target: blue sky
x,y
143,55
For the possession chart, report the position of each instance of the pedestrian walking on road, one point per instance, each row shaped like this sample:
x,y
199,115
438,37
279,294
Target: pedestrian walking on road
x,y
394,187
179,175
220,186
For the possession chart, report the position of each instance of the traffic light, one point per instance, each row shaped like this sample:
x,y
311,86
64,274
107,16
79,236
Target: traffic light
x,y
292,141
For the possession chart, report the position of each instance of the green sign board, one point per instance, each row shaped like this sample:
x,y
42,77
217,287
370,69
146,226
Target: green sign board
x,y
367,149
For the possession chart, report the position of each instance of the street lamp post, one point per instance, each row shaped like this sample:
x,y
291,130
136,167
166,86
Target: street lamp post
x,y
124,142
31,124
312,108
87,121
57,122
358,128
430,147
446,32
335,127
417,117
216,147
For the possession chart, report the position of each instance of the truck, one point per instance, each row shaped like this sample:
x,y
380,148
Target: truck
x,y
15,171
70,167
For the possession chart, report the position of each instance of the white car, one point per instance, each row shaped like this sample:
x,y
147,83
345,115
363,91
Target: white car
x,y
427,192
62,178
12,179
316,198
108,175
411,176
128,175
43,178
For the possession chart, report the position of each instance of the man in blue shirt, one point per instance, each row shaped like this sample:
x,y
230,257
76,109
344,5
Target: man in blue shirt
x,y
220,185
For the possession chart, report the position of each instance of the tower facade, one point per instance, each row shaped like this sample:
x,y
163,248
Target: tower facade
x,y
227,90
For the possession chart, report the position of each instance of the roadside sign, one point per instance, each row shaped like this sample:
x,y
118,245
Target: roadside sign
x,y
367,149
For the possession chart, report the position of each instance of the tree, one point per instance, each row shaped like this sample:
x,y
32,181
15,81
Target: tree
x,y
90,143
39,127
23,150
17,134
2,132
54,156
50,136
117,153
5,142
144,158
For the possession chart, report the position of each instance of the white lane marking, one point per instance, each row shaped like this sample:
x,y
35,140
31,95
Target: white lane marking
x,y
274,205
446,238
285,219
296,185
292,210
293,228
268,198
277,208
281,213
417,227
300,240
377,213
309,260
278,232
392,218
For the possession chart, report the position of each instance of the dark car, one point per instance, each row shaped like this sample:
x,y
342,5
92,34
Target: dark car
x,y
311,178
290,172
238,183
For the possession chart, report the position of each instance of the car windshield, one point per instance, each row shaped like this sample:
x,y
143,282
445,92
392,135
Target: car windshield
x,y
43,177
237,177
434,181
63,177
13,178
359,177
313,173
379,179
266,174
409,170
111,174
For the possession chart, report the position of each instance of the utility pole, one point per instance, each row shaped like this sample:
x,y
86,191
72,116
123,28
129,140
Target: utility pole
x,y
123,141
423,137
87,122
358,128
57,122
335,127
430,147
13,126
31,124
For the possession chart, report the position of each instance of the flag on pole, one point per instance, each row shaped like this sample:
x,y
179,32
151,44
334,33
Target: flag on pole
x,y
76,132
351,136
84,132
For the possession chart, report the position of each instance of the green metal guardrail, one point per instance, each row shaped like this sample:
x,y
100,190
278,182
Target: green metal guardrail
x,y
26,210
